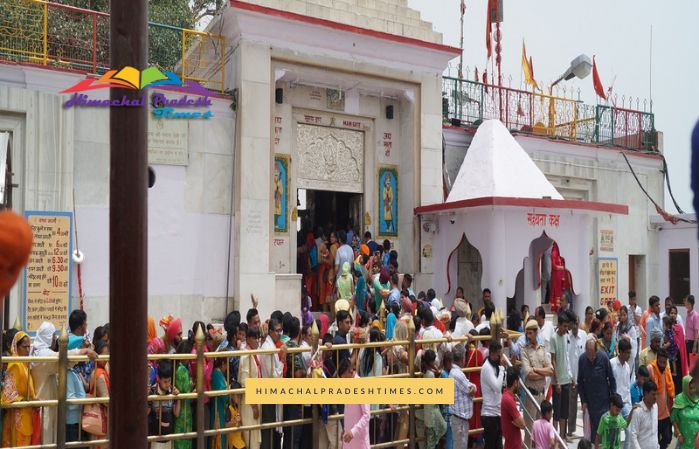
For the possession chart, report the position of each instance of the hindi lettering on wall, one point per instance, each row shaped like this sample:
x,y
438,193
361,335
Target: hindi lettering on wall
x,y
47,277
607,280
388,201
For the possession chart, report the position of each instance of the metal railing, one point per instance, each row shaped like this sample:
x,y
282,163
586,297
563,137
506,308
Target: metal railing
x,y
57,35
471,102
524,391
200,431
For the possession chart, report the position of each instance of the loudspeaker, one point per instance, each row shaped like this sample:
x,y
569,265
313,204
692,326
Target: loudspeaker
x,y
389,112
279,95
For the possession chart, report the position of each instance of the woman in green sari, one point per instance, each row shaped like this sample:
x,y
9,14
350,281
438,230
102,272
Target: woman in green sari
x,y
183,383
685,414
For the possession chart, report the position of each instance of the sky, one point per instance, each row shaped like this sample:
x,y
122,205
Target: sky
x,y
618,33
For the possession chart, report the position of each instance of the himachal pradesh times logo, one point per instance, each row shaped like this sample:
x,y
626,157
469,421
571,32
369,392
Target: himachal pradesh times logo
x,y
134,79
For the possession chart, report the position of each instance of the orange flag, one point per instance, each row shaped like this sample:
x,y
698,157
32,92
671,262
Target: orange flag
x,y
599,89
528,69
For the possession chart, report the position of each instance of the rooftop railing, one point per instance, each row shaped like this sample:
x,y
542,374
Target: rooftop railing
x,y
56,35
471,102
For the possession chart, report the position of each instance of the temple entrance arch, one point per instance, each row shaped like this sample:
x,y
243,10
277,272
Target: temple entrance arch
x,y
548,276
469,272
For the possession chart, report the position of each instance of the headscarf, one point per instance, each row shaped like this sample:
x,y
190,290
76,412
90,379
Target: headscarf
x,y
151,329
15,341
346,268
656,333
364,249
384,276
324,324
342,304
683,400
406,304
15,247
462,308
41,346
173,328
532,325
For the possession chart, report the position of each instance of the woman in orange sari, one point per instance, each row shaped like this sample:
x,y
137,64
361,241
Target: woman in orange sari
x,y
326,275
18,426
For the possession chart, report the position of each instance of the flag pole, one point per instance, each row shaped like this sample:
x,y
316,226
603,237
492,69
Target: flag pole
x,y
128,231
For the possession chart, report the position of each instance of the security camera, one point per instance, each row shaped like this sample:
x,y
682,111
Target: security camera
x,y
452,221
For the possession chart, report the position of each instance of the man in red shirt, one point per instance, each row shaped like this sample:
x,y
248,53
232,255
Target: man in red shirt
x,y
511,421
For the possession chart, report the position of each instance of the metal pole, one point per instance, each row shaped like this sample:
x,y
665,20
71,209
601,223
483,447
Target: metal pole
x,y
128,231
62,410
411,368
315,408
199,342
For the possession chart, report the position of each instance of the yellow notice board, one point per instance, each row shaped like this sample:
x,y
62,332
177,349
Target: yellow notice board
x,y
608,275
47,277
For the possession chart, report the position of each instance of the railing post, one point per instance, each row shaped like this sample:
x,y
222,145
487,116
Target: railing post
x,y
94,43
315,408
411,368
62,390
199,341
46,31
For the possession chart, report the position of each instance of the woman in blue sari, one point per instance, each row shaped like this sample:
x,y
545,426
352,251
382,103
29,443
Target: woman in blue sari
x,y
218,405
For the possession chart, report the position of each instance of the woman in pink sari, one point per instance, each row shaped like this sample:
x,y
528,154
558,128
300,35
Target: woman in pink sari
x,y
679,339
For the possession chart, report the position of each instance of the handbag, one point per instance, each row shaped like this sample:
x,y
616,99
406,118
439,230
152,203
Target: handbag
x,y
94,419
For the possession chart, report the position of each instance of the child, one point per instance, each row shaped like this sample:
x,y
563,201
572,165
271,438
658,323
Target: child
x,y
611,425
642,376
162,414
584,444
543,434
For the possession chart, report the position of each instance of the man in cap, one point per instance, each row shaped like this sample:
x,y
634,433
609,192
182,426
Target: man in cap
x,y
537,367
649,354
463,325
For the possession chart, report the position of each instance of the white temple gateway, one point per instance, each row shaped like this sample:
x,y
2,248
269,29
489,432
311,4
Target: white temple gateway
x,y
336,112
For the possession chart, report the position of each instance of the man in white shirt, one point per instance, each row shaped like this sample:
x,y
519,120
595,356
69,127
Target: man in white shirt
x,y
344,254
668,305
546,329
644,422
635,314
271,366
576,348
623,373
463,324
492,379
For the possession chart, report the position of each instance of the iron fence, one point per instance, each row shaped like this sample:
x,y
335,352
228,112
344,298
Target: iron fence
x,y
57,35
200,430
471,102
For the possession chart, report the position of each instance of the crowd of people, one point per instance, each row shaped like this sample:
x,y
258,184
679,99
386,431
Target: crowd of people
x,y
628,369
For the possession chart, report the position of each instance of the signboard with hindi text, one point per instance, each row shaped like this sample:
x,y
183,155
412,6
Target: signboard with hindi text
x,y
47,277
607,280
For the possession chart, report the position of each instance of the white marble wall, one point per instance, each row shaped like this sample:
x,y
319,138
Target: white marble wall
x,y
67,150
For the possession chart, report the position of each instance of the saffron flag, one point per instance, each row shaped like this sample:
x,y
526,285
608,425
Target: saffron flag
x,y
599,89
528,69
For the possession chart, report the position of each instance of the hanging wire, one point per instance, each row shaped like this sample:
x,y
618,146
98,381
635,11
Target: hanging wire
x,y
657,206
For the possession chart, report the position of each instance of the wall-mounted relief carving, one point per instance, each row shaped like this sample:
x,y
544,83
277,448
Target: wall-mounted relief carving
x,y
330,158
